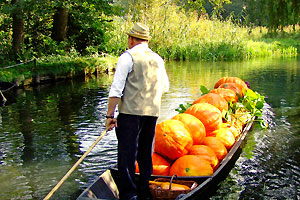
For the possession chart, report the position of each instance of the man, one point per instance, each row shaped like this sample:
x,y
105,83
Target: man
x,y
139,82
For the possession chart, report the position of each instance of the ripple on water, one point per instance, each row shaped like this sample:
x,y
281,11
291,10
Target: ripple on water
x,y
273,171
269,167
103,155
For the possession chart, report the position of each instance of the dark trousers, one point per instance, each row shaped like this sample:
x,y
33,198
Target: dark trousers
x,y
135,136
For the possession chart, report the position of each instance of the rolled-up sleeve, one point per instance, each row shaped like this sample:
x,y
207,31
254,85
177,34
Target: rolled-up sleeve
x,y
123,68
165,79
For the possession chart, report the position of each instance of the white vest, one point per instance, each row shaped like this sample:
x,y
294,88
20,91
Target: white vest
x,y
143,87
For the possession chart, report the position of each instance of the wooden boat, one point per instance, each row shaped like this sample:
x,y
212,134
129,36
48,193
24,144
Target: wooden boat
x,y
105,186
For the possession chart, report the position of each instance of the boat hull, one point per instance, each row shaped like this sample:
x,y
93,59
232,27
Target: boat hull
x,y
207,185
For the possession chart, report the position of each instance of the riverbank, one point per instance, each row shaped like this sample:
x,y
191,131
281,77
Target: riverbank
x,y
53,68
200,39
56,67
175,36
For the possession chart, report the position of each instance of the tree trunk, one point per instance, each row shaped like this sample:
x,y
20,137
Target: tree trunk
x,y
18,29
60,22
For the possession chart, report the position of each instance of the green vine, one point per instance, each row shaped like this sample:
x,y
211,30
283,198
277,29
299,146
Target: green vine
x,y
248,107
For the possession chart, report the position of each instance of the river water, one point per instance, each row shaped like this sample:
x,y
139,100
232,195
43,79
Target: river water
x,y
44,130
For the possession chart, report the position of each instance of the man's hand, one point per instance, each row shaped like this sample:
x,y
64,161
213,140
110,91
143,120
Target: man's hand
x,y
110,123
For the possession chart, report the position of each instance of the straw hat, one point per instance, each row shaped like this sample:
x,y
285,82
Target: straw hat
x,y
140,31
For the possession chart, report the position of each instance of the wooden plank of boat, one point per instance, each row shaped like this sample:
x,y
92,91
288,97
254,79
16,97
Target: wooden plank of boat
x,y
105,186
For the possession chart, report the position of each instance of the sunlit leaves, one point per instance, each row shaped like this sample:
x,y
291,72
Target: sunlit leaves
x,y
253,102
182,107
204,89
249,106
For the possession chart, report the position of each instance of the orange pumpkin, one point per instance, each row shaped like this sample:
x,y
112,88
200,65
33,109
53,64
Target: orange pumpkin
x,y
213,99
191,165
226,137
194,125
212,134
137,168
239,82
160,165
208,114
233,87
217,146
172,139
206,153
227,94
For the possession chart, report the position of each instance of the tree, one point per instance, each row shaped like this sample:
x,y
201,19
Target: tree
x,y
275,14
87,23
38,28
215,6
60,22
18,27
295,17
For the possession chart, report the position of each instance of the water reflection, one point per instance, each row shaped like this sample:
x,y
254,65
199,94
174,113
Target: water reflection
x,y
269,165
274,154
48,129
37,141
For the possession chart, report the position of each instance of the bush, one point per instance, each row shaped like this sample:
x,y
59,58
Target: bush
x,y
177,35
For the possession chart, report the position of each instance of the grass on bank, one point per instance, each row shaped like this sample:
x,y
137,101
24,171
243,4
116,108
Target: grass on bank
x,y
52,66
177,35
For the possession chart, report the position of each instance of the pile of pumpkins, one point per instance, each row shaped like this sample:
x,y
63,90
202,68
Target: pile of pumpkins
x,y
193,143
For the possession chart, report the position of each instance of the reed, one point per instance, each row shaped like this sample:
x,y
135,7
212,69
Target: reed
x,y
177,35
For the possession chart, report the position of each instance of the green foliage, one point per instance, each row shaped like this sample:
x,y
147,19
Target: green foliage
x,y
180,34
180,28
252,103
86,26
70,65
176,36
14,73
204,90
182,107
115,37
275,14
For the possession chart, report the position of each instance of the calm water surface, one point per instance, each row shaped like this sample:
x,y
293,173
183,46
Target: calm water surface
x,y
45,130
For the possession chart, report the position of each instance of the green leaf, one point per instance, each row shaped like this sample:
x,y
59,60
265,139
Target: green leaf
x,y
204,89
182,108
251,94
258,114
252,102
259,105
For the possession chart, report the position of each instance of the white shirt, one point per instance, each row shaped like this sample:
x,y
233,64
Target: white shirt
x,y
123,68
